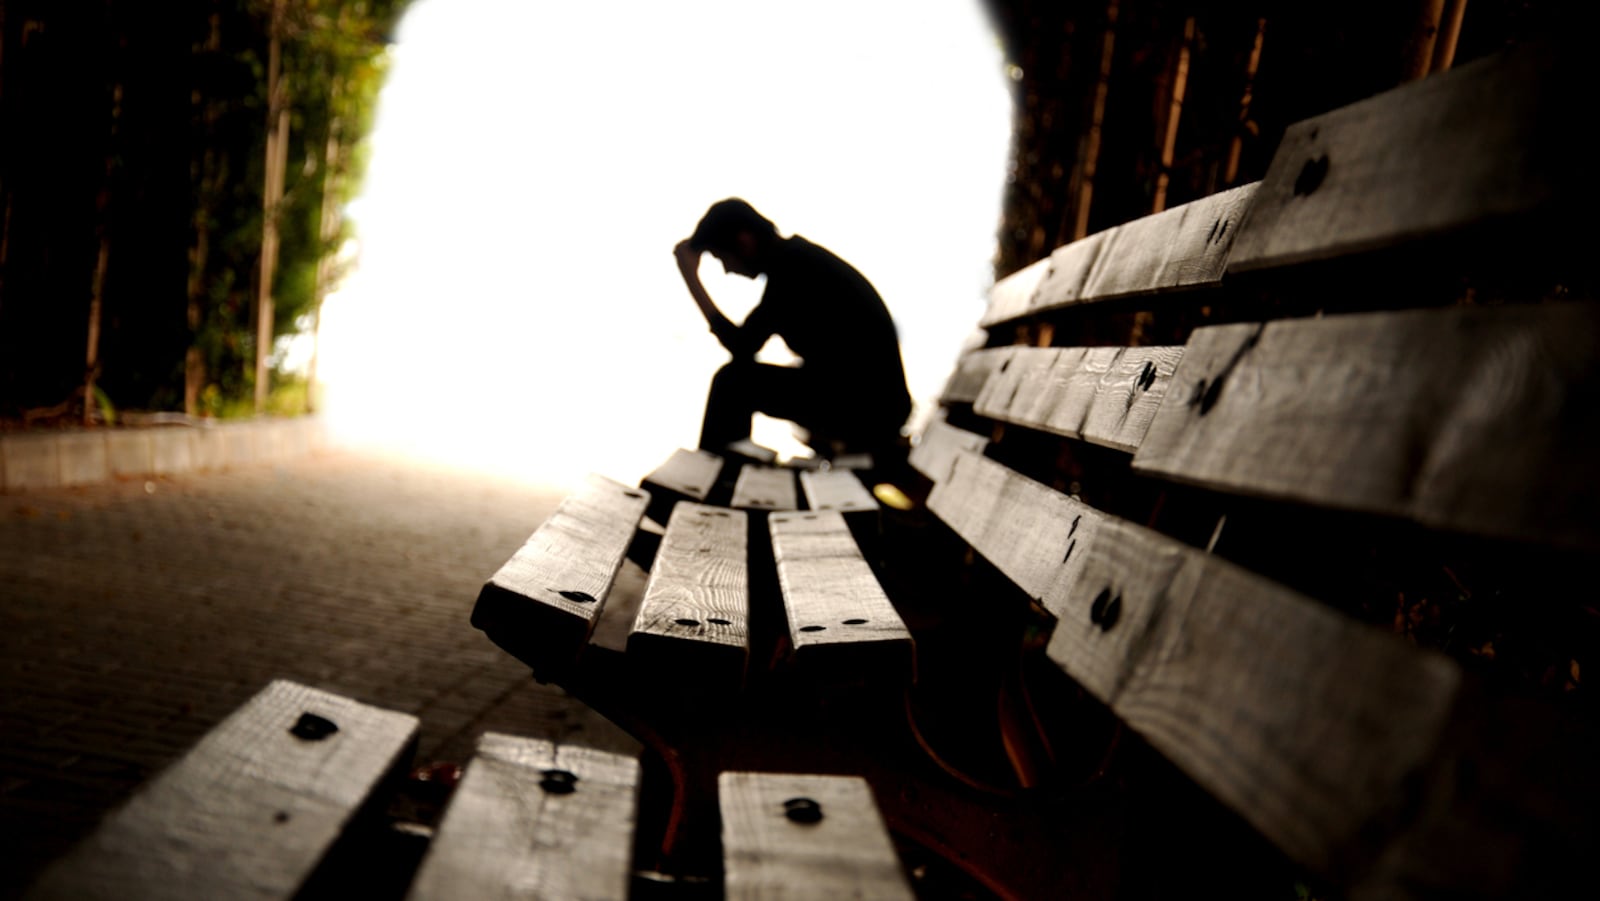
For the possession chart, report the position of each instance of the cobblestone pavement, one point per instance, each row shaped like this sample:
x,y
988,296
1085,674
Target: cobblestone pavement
x,y
136,615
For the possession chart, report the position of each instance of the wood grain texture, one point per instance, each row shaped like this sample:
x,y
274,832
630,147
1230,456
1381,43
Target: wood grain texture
x,y
846,853
765,488
546,599
1307,723
697,603
1186,246
1474,419
687,475
248,812
972,370
1032,534
1104,395
1012,296
841,624
936,448
836,489
691,473
505,836
1482,141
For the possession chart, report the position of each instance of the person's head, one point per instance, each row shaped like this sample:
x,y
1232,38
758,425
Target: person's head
x,y
737,235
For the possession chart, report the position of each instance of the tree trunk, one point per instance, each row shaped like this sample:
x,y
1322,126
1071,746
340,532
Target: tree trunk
x,y
1169,130
1091,148
1236,146
91,360
206,195
329,232
1444,46
1418,54
277,158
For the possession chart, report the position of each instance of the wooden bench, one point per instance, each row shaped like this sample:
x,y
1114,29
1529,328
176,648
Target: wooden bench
x,y
1277,483
1246,556
289,797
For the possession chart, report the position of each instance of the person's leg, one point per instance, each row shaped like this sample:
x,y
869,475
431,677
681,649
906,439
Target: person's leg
x,y
741,389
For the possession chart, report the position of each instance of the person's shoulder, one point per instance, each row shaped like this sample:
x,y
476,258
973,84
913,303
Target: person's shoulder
x,y
799,248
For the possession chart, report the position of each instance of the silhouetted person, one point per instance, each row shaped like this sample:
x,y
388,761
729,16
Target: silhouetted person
x,y
849,392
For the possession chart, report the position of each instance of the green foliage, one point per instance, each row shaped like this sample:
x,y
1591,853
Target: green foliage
x,y
334,61
108,412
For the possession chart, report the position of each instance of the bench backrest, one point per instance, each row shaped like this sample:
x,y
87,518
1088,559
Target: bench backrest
x,y
1233,448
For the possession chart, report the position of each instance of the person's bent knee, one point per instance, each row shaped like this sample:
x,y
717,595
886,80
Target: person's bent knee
x,y
735,370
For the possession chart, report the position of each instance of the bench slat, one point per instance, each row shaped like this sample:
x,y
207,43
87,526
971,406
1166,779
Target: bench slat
x,y
686,475
248,812
972,370
1186,246
1104,395
1477,419
836,489
1013,295
1484,140
516,827
938,445
542,605
1305,721
761,487
771,852
841,624
696,605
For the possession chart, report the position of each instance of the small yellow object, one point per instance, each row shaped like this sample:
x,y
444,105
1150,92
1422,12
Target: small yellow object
x,y
890,496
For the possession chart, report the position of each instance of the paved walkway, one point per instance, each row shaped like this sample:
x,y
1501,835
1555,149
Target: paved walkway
x,y
136,615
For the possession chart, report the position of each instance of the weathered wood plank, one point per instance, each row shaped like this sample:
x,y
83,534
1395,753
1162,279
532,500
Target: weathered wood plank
x,y
744,447
532,819
938,445
1485,140
803,836
765,488
249,811
972,370
841,624
1012,296
1474,419
836,489
1104,395
696,607
1186,246
542,605
686,475
1306,722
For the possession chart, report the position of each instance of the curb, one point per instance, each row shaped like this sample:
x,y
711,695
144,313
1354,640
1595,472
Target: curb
x,y
33,460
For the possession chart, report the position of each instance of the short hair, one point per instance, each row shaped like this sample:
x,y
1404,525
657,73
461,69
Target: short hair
x,y
723,222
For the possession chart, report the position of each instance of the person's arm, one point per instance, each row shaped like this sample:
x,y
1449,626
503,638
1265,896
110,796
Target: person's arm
x,y
728,334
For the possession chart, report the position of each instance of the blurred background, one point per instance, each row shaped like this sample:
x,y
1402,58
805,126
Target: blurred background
x,y
445,226
517,305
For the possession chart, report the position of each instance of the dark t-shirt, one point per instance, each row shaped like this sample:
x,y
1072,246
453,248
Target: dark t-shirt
x,y
835,321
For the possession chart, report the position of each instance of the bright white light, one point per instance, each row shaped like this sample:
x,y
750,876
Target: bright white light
x,y
517,306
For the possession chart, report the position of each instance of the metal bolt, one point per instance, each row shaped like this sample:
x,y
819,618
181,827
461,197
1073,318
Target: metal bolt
x,y
803,810
1311,176
1147,376
1097,610
311,727
558,782
1113,612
